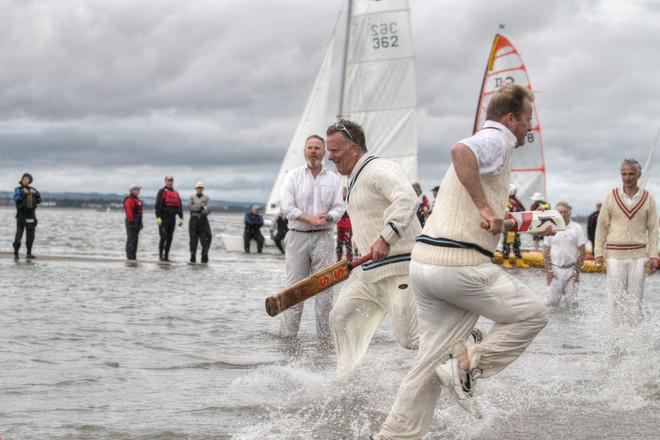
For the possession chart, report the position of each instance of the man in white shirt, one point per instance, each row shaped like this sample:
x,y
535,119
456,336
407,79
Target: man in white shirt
x,y
563,255
455,281
312,202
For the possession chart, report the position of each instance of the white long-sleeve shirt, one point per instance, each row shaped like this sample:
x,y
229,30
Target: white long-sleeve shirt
x,y
302,193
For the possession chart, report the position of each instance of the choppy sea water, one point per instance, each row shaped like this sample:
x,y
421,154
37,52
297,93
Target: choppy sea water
x,y
105,351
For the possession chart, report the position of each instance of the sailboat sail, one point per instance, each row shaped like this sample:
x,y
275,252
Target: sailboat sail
x,y
378,84
646,171
505,65
313,121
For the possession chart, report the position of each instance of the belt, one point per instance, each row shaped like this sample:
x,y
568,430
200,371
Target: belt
x,y
566,266
310,231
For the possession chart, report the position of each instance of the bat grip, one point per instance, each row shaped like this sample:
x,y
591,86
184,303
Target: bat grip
x,y
509,225
360,261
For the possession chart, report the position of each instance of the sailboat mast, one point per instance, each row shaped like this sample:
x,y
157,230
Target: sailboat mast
x,y
489,64
340,114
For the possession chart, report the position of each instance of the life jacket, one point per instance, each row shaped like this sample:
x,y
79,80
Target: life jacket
x,y
136,208
170,199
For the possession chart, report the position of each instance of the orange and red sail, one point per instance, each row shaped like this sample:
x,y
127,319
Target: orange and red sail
x,y
506,65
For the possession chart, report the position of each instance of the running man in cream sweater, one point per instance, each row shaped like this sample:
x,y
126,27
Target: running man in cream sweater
x,y
627,235
382,206
455,281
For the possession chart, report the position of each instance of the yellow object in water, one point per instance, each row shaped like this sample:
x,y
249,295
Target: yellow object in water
x,y
535,259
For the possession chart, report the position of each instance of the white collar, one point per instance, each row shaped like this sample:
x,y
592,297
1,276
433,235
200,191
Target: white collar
x,y
634,196
507,133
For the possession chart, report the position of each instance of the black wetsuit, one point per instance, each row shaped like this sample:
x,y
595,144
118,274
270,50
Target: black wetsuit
x,y
253,224
591,228
27,199
168,206
199,227
282,228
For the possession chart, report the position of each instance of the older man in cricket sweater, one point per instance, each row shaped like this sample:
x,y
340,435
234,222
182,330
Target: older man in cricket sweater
x,y
627,234
382,206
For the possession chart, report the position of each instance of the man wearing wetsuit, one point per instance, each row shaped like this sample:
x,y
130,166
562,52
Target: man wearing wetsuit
x,y
27,199
198,226
168,206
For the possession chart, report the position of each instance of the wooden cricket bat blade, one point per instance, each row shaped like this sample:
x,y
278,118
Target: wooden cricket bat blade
x,y
306,288
312,285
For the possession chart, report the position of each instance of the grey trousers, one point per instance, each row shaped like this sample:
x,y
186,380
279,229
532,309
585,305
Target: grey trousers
x,y
306,253
450,300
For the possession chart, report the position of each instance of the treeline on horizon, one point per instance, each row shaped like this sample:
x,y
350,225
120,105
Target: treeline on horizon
x,y
112,201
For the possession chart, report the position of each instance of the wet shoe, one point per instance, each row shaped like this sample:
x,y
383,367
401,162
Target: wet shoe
x,y
205,259
521,264
193,259
29,256
459,384
506,264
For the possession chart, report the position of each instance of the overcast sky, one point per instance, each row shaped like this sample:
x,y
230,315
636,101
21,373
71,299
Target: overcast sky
x,y
97,94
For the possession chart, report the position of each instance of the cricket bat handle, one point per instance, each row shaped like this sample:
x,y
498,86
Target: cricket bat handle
x,y
312,285
508,225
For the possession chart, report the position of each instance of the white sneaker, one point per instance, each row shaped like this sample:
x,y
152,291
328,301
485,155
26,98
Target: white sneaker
x,y
459,383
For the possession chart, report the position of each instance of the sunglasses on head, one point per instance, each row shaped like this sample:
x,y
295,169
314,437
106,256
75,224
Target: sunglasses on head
x,y
342,127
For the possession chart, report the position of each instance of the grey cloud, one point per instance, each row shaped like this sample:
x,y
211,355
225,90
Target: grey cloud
x,y
214,90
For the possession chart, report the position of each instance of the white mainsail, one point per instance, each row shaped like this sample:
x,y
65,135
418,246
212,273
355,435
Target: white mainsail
x,y
314,120
378,83
505,65
646,171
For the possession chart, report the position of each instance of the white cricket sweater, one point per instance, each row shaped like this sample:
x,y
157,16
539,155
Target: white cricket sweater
x,y
627,230
381,202
455,217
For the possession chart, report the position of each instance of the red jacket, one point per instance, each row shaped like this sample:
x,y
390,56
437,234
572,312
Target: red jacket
x,y
344,223
133,208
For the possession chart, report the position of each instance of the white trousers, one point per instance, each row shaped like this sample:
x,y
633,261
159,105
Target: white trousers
x,y
450,300
307,253
625,290
362,306
562,286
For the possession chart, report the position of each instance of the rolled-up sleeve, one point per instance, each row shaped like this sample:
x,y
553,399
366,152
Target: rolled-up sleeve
x,y
288,198
393,184
337,205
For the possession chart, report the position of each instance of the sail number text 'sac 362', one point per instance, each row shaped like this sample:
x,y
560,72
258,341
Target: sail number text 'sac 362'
x,y
384,35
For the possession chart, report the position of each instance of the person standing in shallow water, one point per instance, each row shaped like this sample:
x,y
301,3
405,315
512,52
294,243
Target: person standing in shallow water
x,y
563,255
26,198
627,235
198,226
592,223
133,209
168,206
311,199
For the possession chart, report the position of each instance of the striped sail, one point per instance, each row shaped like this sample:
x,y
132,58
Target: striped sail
x,y
378,84
506,65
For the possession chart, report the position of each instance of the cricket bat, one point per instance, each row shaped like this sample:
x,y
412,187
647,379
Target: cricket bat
x,y
533,222
312,285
